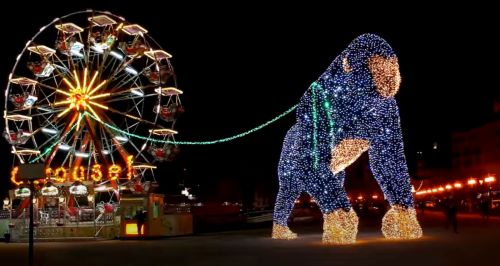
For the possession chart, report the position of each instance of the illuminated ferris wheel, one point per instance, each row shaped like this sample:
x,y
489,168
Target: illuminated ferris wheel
x,y
79,92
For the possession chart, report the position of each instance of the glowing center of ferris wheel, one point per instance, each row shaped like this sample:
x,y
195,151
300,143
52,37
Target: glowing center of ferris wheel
x,y
82,94
79,100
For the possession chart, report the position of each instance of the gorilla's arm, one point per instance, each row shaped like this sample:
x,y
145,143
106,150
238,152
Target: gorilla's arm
x,y
387,159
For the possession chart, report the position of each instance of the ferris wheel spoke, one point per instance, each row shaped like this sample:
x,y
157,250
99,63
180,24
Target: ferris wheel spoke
x,y
128,74
64,133
122,66
53,78
139,151
116,143
57,68
105,142
81,152
133,92
135,107
45,97
120,113
71,63
128,98
54,89
48,141
94,138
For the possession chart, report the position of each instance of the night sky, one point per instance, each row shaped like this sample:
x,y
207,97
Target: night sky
x,y
240,66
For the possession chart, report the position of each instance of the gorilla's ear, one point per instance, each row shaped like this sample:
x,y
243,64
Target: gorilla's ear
x,y
345,65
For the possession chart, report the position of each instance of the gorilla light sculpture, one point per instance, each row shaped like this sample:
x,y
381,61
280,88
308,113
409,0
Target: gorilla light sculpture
x,y
350,109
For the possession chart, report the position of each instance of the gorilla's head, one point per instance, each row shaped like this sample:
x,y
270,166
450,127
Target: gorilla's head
x,y
370,61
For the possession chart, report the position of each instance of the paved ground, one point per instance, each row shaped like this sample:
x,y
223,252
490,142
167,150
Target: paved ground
x,y
478,243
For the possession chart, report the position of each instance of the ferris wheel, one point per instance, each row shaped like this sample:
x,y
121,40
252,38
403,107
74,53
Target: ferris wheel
x,y
79,91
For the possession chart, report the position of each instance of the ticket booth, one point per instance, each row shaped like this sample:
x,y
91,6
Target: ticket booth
x,y
158,222
151,205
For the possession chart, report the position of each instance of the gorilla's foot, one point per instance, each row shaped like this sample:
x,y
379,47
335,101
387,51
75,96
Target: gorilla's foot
x,y
282,232
340,227
401,223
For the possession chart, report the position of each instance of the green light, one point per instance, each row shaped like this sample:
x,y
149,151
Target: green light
x,y
315,125
208,142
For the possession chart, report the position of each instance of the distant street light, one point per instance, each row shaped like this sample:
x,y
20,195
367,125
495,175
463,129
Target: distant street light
x,y
489,179
6,202
471,182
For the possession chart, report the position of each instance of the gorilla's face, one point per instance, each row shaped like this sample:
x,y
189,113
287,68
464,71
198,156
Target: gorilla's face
x,y
385,74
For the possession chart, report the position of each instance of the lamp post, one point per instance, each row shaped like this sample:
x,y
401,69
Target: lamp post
x,y
6,206
31,248
90,198
29,173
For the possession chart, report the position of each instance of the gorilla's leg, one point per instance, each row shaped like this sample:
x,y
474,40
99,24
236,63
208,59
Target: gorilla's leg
x,y
340,222
290,173
283,208
389,169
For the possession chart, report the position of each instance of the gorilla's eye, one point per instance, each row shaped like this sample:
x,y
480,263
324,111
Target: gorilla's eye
x,y
345,65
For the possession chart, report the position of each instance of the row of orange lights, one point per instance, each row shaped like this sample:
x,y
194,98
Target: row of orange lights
x,y
457,185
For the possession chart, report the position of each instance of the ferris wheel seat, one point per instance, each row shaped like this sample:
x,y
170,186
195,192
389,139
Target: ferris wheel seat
x,y
17,117
169,112
162,131
71,48
99,47
101,42
135,49
30,101
134,29
169,91
17,138
108,208
102,20
158,55
143,166
69,28
166,153
41,69
26,152
42,50
18,99
23,101
155,77
23,81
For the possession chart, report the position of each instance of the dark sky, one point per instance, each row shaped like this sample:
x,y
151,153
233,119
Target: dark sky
x,y
240,66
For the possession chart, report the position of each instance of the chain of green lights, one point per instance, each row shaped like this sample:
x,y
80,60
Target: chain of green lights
x,y
326,105
209,142
49,148
315,126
